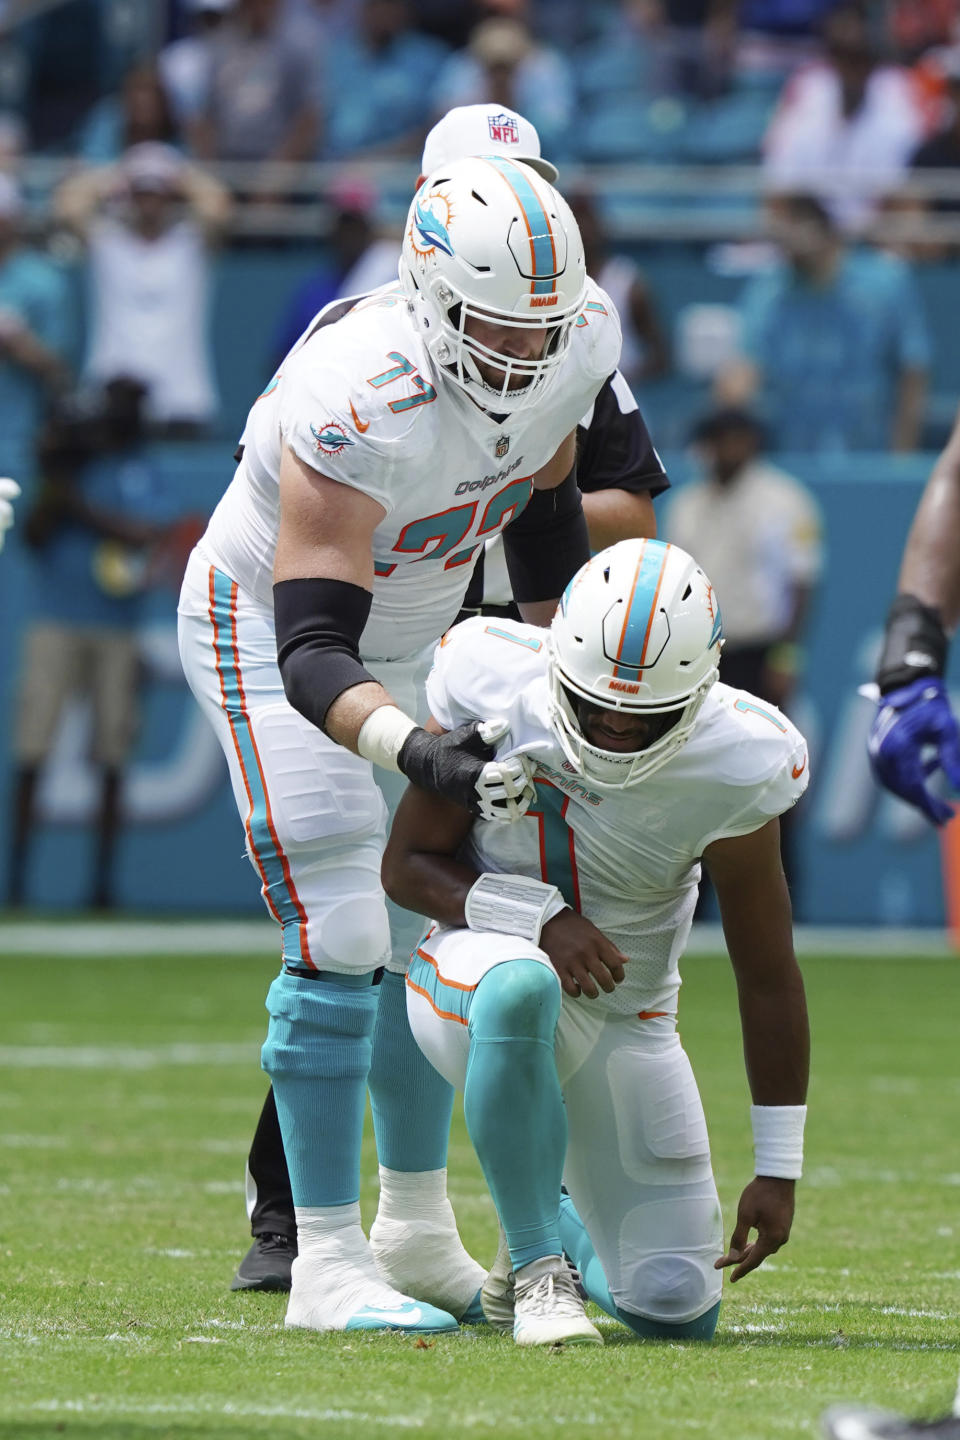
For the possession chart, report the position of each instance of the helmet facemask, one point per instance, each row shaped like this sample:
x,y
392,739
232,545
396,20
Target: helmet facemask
x,y
467,349
490,243
618,769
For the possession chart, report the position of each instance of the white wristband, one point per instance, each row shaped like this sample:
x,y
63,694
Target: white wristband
x,y
778,1140
382,735
512,904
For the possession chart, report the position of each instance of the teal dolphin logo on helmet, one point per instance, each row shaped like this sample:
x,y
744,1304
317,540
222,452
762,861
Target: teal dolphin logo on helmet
x,y
431,230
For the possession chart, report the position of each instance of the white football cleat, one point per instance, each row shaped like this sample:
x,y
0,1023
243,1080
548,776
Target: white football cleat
x,y
548,1309
338,1287
497,1292
426,1257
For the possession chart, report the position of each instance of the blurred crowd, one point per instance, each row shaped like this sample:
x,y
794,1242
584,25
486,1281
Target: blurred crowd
x,y
852,94
161,129
137,140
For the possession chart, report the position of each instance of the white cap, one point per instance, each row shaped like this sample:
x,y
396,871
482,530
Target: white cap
x,y
484,130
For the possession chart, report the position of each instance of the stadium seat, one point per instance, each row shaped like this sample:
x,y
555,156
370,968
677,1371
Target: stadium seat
x,y
728,129
625,128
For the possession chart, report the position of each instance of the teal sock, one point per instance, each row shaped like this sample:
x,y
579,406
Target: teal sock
x,y
577,1244
513,1103
317,1053
412,1103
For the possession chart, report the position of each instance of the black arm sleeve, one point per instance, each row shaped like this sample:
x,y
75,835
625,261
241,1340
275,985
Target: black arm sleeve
x,y
319,624
615,452
547,543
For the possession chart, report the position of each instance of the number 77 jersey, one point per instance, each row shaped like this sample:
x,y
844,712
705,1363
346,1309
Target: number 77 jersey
x,y
361,401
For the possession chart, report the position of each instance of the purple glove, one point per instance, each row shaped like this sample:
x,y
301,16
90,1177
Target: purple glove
x,y
908,721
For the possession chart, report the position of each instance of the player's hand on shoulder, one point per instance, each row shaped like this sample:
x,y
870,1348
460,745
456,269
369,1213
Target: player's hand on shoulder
x,y
766,1206
908,722
462,766
582,955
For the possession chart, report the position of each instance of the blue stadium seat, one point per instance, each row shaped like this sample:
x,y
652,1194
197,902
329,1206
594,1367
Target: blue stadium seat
x,y
729,129
626,128
615,66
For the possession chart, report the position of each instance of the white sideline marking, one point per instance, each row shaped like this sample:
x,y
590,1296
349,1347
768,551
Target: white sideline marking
x,y
584,1421
131,938
125,1057
831,1177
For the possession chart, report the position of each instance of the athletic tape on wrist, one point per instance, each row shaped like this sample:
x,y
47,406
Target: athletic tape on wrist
x,y
512,905
382,735
778,1140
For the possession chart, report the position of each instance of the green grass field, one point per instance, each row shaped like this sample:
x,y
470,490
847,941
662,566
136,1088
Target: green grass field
x,y
129,1090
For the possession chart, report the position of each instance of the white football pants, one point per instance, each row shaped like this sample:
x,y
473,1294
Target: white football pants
x,y
638,1158
315,818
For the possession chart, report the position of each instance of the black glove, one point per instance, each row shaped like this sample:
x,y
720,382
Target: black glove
x,y
462,766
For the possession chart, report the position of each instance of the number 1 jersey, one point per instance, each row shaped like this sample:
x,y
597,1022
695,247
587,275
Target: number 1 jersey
x,y
628,859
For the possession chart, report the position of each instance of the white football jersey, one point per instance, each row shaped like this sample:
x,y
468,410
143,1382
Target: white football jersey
x,y
627,859
360,400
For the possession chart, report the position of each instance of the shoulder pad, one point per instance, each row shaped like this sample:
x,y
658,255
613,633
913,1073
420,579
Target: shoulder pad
x,y
597,333
481,667
755,753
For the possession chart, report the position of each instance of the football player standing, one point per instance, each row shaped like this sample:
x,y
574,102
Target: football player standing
x,y
390,444
618,472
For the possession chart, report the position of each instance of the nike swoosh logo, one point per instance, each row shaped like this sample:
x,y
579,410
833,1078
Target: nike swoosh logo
x,y
798,770
362,425
405,1315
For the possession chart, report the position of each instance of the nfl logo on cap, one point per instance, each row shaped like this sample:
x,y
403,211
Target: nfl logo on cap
x,y
504,129
502,446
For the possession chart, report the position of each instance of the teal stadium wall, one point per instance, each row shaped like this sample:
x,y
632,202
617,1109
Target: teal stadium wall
x,y
864,858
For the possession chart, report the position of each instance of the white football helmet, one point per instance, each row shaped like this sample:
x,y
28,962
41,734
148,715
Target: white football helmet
x,y
488,238
638,631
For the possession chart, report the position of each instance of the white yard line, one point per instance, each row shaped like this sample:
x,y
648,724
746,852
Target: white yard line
x,y
124,1057
227,1409
130,938
391,1420
134,938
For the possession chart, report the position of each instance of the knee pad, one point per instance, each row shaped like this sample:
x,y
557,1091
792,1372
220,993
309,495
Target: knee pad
x,y
519,999
319,1028
355,931
674,1288
668,1247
